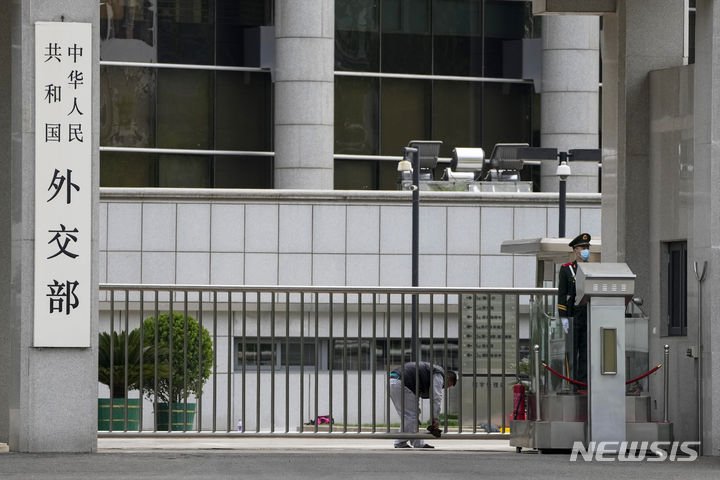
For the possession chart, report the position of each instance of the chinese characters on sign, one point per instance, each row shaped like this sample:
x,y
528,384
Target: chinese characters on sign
x,y
63,184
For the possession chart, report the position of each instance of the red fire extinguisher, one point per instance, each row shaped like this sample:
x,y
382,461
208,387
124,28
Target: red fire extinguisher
x,y
518,402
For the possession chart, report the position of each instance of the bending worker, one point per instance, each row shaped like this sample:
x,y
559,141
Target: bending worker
x,y
429,377
567,310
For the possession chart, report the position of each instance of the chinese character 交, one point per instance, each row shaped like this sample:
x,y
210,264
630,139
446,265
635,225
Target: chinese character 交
x,y
62,238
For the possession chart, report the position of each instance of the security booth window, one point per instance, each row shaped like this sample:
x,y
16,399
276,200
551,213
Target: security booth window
x,y
676,284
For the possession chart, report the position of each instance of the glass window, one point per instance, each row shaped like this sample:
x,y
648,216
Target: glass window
x,y
406,37
184,171
355,175
457,37
126,31
677,288
243,112
120,169
356,115
357,43
457,115
506,114
237,39
184,109
405,113
504,21
263,354
127,106
186,32
242,172
278,352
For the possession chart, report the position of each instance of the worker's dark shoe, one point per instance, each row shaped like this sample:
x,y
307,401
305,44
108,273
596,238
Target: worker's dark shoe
x,y
426,446
402,445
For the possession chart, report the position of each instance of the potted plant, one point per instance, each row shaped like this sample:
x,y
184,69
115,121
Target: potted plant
x,y
114,362
192,359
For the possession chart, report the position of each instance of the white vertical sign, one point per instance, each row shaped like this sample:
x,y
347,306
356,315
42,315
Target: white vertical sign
x,y
63,184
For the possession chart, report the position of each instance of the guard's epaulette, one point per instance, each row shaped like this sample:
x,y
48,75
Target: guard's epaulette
x,y
567,264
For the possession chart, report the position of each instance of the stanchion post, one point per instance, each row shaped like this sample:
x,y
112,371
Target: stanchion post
x,y
536,348
665,386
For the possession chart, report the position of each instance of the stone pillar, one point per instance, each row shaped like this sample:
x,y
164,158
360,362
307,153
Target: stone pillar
x,y
570,99
304,93
706,203
48,398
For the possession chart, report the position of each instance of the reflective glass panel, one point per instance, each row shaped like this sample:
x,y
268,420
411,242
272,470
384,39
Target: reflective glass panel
x,y
127,107
243,111
406,40
126,31
356,115
357,43
506,114
242,172
504,21
457,115
355,175
405,113
120,169
184,109
186,31
184,171
457,37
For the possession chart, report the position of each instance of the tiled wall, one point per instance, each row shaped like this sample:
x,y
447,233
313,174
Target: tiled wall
x,y
325,238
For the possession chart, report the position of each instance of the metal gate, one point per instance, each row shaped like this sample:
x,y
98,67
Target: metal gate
x,y
265,361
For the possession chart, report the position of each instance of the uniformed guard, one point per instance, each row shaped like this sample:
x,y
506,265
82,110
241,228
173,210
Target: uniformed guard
x,y
578,313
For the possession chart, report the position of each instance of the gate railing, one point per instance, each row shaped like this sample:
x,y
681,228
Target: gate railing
x,y
278,360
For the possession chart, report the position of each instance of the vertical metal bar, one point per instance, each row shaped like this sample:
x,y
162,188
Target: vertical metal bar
x,y
273,361
317,356
445,355
215,342
489,362
259,361
502,367
185,355
474,357
359,360
112,355
431,341
157,359
141,379
171,331
536,349
302,366
460,363
331,359
373,360
127,358
287,363
201,360
344,363
244,357
414,347
388,360
402,359
229,362
666,383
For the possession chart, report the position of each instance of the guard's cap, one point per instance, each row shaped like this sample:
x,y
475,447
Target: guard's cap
x,y
582,239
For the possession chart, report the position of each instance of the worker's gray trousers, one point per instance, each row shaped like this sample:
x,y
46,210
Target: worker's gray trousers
x,y
409,411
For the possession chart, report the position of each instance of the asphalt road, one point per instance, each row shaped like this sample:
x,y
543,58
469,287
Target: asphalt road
x,y
363,464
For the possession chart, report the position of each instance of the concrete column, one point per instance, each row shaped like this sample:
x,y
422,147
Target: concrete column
x,y
705,227
304,93
570,99
48,398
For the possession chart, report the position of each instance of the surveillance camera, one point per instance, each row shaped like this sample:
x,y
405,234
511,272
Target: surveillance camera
x,y
563,171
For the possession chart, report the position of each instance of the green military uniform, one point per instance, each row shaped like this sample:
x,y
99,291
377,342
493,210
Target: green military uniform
x,y
576,314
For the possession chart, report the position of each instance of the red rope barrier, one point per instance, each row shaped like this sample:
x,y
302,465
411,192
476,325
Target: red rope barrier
x,y
582,384
649,372
563,376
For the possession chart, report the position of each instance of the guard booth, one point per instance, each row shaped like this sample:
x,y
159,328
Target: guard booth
x,y
614,405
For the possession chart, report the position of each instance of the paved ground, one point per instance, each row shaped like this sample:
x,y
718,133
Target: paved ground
x,y
325,459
